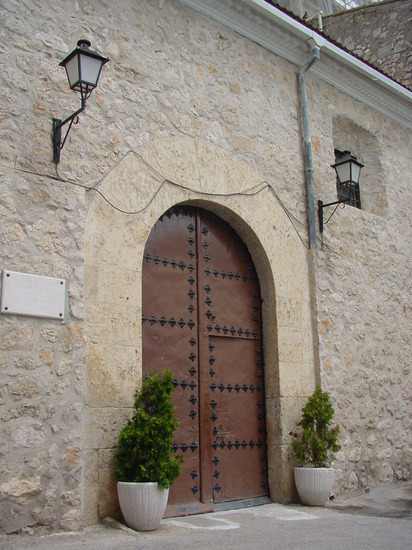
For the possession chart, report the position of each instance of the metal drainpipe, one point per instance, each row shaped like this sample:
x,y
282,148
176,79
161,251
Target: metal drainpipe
x,y
308,148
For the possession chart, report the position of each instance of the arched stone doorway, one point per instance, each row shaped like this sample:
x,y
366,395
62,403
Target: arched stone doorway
x,y
114,248
202,320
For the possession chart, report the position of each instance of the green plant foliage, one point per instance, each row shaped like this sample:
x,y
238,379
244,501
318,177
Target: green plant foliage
x,y
318,441
145,443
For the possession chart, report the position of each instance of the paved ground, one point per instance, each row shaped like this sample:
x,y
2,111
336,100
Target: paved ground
x,y
391,501
379,520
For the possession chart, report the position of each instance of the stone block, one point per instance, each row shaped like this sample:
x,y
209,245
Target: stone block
x,y
15,334
289,312
72,520
281,476
20,489
115,286
290,345
31,436
113,374
108,504
282,414
114,324
295,379
103,426
89,500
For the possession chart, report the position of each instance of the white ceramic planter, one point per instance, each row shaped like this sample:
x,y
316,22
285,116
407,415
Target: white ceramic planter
x,y
142,504
314,485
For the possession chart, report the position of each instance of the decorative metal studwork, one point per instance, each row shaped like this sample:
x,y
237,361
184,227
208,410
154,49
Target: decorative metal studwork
x,y
221,387
233,330
172,321
235,276
217,382
184,447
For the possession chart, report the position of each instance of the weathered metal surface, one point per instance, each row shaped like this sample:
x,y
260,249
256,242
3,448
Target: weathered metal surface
x,y
202,319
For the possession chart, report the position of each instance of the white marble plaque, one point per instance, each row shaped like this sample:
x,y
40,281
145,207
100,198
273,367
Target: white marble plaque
x,y
34,295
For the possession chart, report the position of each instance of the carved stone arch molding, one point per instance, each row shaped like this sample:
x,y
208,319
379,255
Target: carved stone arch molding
x,y
114,246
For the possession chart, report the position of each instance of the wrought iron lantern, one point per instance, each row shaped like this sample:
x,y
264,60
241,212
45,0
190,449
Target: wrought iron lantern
x,y
83,68
348,170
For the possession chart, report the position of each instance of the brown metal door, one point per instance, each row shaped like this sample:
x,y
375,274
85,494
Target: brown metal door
x,y
202,320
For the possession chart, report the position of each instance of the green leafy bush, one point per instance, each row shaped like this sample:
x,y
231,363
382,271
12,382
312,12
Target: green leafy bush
x,y
318,441
145,443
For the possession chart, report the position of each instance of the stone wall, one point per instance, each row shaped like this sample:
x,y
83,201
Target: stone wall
x,y
364,297
183,92
380,33
42,361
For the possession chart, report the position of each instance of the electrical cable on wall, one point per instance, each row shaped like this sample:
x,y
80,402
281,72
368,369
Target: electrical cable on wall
x,y
250,192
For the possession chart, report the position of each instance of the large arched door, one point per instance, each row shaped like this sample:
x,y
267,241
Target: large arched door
x,y
202,320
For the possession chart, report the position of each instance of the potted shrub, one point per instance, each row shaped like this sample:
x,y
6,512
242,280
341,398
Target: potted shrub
x,y
314,448
145,465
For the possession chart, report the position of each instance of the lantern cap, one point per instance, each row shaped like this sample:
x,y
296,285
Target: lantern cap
x,y
83,46
346,157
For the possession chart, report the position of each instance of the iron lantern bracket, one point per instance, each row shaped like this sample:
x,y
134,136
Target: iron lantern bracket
x,y
57,131
321,206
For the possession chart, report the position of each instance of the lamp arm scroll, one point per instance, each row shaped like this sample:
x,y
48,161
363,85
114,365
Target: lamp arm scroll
x,y
57,133
321,206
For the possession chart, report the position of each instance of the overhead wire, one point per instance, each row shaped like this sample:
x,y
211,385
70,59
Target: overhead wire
x,y
252,191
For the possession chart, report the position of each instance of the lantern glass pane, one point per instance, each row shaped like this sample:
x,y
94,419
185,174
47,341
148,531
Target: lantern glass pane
x,y
72,69
355,172
90,69
343,172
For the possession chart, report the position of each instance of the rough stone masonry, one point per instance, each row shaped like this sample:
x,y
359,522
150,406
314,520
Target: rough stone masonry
x,y
187,99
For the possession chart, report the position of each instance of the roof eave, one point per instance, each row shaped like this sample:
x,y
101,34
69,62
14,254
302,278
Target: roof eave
x,y
286,36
